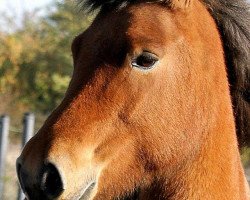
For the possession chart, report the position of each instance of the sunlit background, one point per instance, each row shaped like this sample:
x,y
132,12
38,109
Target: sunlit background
x,y
36,65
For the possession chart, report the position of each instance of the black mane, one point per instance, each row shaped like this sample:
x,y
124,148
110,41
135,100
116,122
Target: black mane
x,y
95,4
112,4
233,21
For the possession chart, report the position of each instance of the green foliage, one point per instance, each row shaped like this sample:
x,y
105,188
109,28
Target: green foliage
x,y
35,60
245,157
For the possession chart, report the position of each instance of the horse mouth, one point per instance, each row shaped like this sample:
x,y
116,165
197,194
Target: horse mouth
x,y
86,194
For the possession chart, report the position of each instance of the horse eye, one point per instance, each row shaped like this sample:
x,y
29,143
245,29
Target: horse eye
x,y
145,61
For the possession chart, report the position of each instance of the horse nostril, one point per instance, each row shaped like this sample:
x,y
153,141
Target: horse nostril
x,y
51,182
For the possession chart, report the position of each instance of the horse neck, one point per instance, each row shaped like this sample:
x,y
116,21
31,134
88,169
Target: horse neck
x,y
216,173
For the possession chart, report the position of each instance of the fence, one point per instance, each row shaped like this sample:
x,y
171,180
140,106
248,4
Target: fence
x,y
28,131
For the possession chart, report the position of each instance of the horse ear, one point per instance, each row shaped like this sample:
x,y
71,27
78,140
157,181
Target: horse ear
x,y
181,4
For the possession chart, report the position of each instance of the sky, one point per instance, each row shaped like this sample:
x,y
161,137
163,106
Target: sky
x,y
16,8
19,5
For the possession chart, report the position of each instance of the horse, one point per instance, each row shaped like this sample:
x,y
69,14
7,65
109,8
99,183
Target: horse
x,y
157,108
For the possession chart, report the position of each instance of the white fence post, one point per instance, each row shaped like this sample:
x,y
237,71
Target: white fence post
x,y
28,132
4,132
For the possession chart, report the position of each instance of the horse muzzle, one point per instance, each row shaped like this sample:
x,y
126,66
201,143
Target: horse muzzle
x,y
48,182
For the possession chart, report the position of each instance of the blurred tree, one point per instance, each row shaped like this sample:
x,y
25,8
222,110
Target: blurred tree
x,y
35,60
245,156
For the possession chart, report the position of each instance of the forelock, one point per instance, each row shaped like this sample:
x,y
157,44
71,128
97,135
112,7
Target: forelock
x,y
91,5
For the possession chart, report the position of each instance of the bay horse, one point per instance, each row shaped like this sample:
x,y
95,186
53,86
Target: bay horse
x,y
159,93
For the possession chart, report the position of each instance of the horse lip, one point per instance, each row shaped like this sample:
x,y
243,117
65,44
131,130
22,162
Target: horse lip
x,y
87,190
